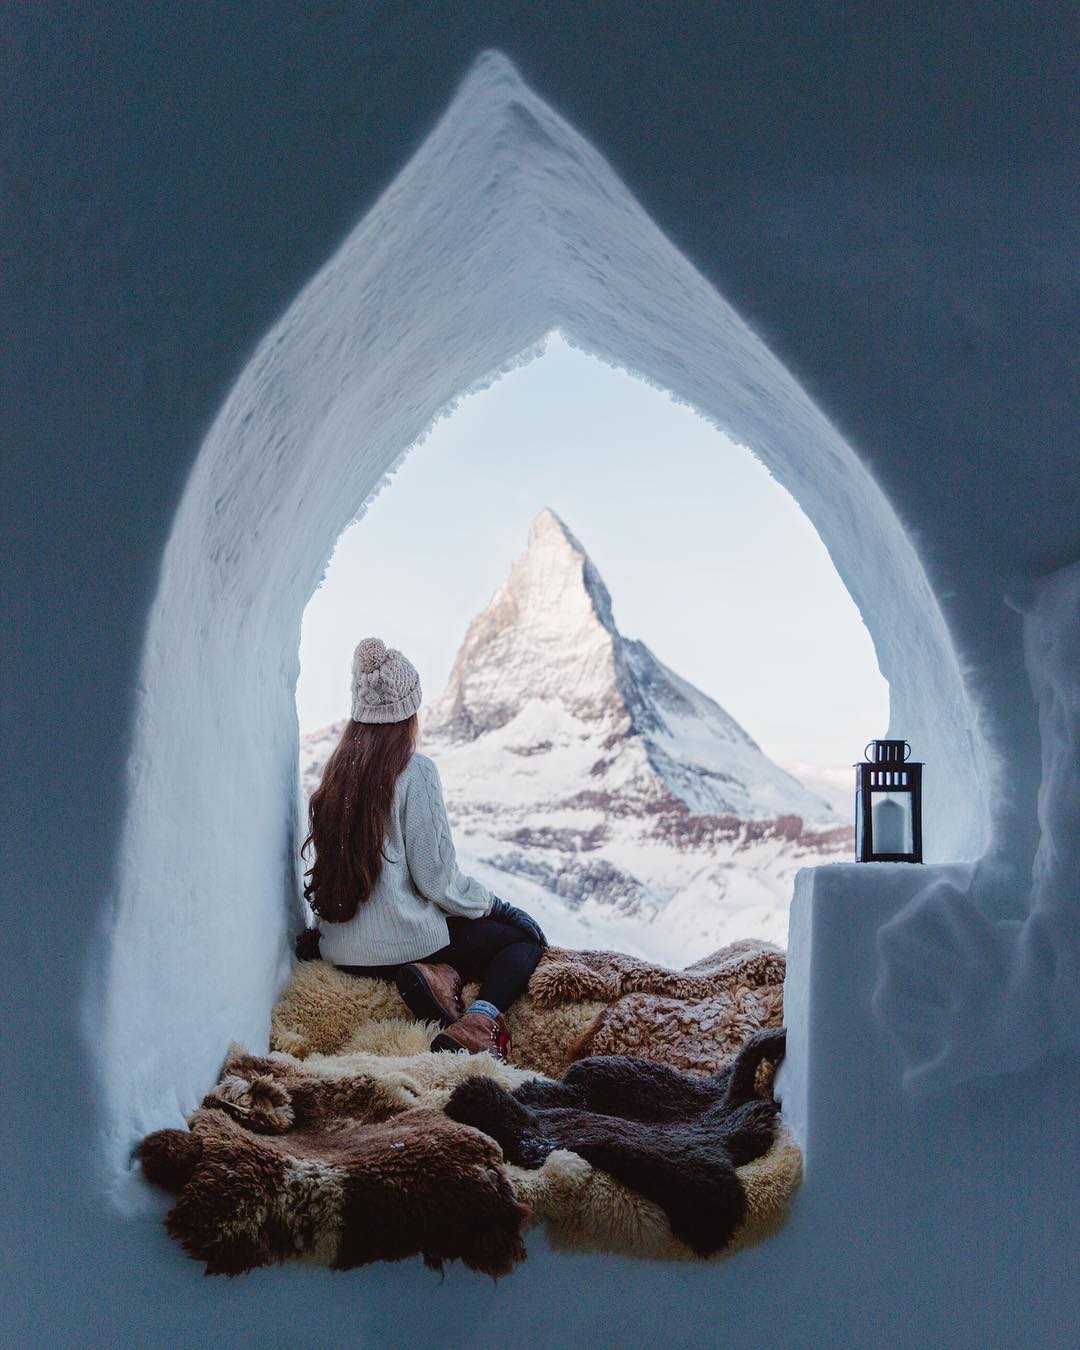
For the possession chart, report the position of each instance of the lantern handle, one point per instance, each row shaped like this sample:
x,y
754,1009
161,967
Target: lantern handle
x,y
906,744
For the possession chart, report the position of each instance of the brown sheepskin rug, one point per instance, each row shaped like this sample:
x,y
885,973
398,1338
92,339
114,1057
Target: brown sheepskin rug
x,y
577,1004
693,1019
277,1165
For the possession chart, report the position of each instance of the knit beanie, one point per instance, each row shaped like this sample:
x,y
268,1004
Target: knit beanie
x,y
385,686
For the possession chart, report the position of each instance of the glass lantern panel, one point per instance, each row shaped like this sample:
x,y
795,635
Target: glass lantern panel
x,y
891,822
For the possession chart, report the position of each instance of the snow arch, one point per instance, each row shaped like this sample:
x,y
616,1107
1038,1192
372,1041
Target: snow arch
x,y
504,226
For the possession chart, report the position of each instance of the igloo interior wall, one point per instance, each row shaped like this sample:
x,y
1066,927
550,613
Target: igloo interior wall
x,y
881,197
503,225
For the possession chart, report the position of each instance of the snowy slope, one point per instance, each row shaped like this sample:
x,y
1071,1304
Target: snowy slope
x,y
591,783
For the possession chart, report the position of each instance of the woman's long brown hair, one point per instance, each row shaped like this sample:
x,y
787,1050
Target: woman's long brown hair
x,y
349,813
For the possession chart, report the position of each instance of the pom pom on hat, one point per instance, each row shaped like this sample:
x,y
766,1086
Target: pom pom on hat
x,y
385,685
370,654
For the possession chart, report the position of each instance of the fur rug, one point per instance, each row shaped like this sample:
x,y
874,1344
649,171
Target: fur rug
x,y
670,1138
348,1158
278,1165
577,1004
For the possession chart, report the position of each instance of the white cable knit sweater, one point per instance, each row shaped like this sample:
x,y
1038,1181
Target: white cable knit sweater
x,y
404,919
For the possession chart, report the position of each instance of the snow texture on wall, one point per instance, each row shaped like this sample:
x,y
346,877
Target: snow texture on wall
x,y
885,199
966,994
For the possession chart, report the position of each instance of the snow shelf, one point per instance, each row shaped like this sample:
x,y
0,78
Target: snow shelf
x,y
945,1221
504,226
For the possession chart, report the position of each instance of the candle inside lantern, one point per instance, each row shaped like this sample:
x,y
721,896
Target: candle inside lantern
x,y
892,824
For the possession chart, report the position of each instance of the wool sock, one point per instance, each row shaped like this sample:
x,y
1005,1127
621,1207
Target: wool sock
x,y
481,1005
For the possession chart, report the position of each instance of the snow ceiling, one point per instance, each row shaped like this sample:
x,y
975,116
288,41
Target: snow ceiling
x,y
505,225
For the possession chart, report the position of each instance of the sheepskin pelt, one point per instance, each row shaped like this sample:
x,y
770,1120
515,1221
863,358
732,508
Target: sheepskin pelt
x,y
585,1209
693,1035
692,1019
277,1165
577,1004
674,1139
348,1158
571,976
325,1011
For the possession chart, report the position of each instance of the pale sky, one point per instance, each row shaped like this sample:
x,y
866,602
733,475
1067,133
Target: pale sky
x,y
708,560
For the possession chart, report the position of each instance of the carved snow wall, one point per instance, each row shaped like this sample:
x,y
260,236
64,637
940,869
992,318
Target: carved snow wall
x,y
504,226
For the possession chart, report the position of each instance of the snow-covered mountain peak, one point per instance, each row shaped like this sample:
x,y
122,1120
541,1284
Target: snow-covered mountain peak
x,y
544,673
555,579
547,636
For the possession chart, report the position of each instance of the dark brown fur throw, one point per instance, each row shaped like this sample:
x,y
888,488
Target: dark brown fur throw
x,y
277,1165
675,1139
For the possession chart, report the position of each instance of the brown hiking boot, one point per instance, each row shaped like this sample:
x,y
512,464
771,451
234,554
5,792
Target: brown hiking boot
x,y
431,992
477,1033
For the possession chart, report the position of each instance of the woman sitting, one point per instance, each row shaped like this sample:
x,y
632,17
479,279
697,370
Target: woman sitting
x,y
385,886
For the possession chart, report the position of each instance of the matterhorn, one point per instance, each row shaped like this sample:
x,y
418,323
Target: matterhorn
x,y
587,780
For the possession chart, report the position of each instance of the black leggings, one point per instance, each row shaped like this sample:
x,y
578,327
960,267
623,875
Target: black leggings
x,y
497,954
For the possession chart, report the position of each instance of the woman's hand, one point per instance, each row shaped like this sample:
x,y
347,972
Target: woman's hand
x,y
506,913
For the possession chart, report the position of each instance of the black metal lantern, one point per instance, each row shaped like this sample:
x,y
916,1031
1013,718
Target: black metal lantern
x,y
888,805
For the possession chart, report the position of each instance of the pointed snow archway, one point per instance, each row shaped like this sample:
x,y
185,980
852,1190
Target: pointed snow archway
x,y
504,226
